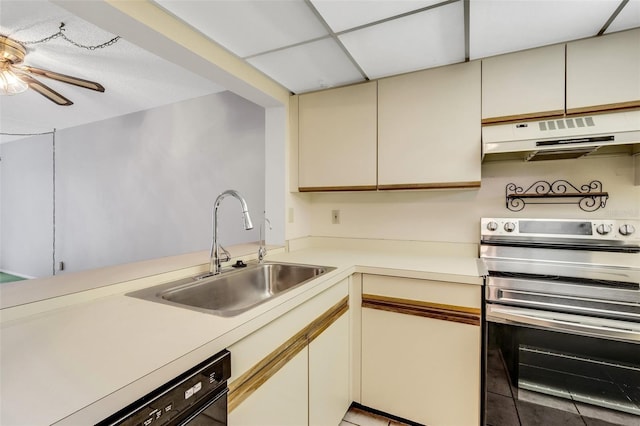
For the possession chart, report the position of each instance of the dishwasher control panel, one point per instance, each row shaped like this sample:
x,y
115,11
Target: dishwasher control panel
x,y
180,398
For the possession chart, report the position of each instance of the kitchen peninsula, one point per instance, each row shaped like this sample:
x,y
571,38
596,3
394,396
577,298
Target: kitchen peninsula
x,y
105,352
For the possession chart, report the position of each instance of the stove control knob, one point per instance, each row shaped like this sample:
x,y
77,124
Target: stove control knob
x,y
627,229
509,226
492,226
603,229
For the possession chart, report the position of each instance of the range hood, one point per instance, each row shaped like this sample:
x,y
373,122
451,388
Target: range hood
x,y
562,138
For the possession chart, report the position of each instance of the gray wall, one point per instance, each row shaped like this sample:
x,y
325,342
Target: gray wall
x,y
26,206
142,186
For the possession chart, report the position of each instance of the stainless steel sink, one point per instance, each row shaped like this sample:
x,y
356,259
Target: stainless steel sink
x,y
233,292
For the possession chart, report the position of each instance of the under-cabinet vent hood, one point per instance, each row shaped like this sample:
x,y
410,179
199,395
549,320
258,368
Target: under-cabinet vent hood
x,y
562,138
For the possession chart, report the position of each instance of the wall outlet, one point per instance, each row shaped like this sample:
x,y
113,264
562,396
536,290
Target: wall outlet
x,y
335,217
290,215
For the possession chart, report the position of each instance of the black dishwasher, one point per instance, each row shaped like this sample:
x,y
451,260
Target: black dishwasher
x,y
198,397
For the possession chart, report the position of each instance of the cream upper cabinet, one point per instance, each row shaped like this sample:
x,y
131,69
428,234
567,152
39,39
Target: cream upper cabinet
x,y
523,85
421,349
337,139
429,128
604,72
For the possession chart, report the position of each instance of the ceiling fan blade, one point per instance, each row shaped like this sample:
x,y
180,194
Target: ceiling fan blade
x,y
65,78
45,90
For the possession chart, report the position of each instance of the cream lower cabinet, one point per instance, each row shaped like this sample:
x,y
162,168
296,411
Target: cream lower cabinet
x,y
421,350
280,401
296,369
329,375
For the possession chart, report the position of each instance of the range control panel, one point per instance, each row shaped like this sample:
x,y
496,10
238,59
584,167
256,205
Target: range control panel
x,y
588,229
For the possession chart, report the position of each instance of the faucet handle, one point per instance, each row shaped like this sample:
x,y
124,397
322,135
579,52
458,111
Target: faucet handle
x,y
227,255
262,251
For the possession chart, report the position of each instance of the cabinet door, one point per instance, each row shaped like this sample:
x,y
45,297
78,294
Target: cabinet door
x,y
421,369
420,356
337,139
280,401
603,73
429,129
329,374
523,85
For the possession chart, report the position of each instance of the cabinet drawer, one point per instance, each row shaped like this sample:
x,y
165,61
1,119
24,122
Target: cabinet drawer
x,y
441,292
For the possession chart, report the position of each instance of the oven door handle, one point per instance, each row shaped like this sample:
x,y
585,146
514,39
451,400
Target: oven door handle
x,y
517,316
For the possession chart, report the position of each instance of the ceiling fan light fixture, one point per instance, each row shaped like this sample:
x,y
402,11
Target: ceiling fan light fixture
x,y
16,78
10,83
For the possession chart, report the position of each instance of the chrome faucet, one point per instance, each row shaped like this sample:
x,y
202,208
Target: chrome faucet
x,y
262,251
214,262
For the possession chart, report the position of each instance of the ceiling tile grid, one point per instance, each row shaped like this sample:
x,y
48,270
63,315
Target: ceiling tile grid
x,y
247,28
498,27
311,66
628,18
304,45
423,40
309,45
343,15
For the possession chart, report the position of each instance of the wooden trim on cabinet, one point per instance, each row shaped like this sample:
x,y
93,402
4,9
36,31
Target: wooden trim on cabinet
x,y
337,188
442,185
597,109
327,319
262,372
241,388
439,311
521,117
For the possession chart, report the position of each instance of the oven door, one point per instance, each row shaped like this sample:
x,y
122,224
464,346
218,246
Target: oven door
x,y
560,366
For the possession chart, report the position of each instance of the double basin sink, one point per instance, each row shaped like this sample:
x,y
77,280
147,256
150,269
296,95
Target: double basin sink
x,y
233,292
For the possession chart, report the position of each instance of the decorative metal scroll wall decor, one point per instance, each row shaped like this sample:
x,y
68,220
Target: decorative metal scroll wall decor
x,y
589,197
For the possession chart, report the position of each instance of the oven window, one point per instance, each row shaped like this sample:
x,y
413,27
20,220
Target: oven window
x,y
555,227
556,375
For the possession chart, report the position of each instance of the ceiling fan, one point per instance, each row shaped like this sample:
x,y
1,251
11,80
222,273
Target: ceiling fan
x,y
16,78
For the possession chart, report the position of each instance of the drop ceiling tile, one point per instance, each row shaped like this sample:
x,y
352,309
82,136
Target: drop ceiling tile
x,y
345,14
249,27
628,18
498,26
307,67
431,38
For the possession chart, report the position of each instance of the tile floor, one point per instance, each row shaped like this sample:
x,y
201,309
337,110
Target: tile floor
x,y
358,417
509,406
515,407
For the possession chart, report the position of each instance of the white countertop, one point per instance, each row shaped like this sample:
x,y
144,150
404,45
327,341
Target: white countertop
x,y
79,363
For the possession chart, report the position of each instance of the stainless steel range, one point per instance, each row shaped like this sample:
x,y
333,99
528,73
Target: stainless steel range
x,y
562,313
